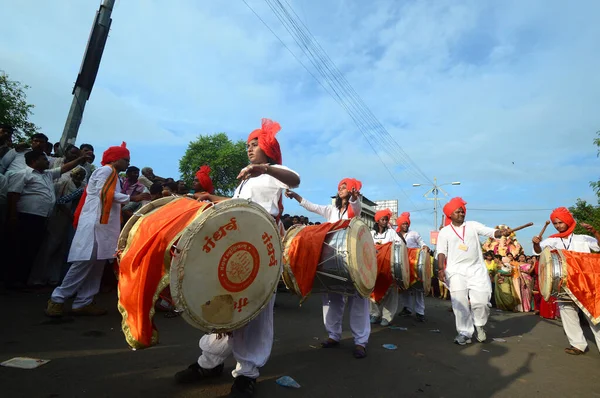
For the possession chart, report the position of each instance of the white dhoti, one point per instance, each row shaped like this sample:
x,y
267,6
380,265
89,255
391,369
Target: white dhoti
x,y
333,314
388,306
82,281
414,300
476,291
570,321
251,345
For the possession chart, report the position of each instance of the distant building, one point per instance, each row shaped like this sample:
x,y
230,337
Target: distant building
x,y
388,204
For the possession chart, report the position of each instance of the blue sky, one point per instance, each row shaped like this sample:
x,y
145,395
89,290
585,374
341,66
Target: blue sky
x,y
466,88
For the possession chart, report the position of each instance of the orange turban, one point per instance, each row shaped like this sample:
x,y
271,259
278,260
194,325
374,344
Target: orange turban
x,y
266,139
451,206
114,153
383,213
404,217
203,176
564,215
350,184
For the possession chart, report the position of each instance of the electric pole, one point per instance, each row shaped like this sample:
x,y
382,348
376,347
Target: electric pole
x,y
87,73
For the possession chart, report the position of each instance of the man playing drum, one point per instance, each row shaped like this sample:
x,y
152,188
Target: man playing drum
x,y
263,181
382,234
461,264
413,299
347,205
565,239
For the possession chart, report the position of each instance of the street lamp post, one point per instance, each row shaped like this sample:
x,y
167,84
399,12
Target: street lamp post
x,y
435,190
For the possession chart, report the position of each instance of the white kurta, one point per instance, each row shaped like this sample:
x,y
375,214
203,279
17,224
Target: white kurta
x,y
330,212
467,264
89,230
414,240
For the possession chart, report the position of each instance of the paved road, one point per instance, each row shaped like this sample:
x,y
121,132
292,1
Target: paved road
x,y
89,357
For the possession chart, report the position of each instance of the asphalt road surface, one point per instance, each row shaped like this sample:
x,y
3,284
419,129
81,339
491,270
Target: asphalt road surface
x,y
89,357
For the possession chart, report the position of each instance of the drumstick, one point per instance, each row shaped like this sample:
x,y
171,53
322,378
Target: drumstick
x,y
529,224
544,229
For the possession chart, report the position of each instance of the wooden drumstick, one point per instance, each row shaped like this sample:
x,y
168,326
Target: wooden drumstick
x,y
544,229
529,224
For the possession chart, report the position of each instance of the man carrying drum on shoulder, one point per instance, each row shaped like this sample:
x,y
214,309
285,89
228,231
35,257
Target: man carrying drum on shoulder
x,y
263,182
347,205
565,239
413,299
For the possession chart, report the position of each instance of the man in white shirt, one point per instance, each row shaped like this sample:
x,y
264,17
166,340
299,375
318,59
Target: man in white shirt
x,y
565,239
14,160
461,264
413,299
31,198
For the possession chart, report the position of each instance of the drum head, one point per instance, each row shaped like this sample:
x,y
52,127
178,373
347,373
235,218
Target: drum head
x,y
288,276
362,258
546,273
131,224
401,266
227,266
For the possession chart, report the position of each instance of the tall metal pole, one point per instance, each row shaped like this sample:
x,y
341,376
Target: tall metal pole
x,y
87,74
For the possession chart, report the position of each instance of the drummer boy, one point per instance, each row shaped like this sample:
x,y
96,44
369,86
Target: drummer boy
x,y
565,239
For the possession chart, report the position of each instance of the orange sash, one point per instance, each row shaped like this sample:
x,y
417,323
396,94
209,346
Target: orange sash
x,y
413,260
384,273
145,264
305,252
583,282
106,199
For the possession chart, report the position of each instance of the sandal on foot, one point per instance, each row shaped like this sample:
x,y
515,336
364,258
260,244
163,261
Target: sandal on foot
x,y
195,373
359,352
329,343
574,351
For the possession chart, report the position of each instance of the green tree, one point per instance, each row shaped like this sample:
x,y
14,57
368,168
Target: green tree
x,y
586,213
225,157
14,109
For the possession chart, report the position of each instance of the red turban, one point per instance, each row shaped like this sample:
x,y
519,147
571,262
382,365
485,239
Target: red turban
x,y
350,184
203,176
266,139
383,213
451,206
404,217
114,153
564,215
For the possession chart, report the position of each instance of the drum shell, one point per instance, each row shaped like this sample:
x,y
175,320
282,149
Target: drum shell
x,y
401,266
551,273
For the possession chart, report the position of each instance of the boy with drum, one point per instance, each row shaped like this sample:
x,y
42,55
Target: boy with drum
x,y
565,239
461,264
263,181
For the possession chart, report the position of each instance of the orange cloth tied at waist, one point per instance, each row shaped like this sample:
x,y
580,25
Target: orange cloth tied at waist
x,y
413,261
583,280
145,264
384,272
305,252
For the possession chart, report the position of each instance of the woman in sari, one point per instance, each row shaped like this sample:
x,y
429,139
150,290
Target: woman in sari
x,y
504,288
526,283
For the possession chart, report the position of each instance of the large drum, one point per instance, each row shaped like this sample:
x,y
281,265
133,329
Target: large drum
x,y
222,262
552,273
347,263
401,266
420,269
